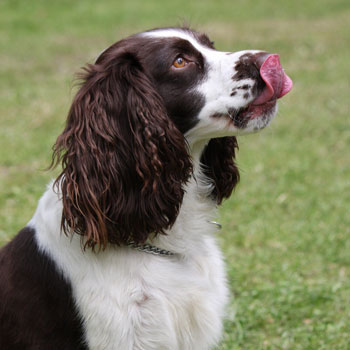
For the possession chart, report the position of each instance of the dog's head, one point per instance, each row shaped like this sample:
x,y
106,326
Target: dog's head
x,y
141,109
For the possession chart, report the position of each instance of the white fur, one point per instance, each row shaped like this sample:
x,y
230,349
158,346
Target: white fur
x,y
129,300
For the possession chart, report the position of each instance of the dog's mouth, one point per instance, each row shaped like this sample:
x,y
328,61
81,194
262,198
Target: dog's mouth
x,y
276,84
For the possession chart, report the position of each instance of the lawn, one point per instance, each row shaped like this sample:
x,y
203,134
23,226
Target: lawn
x,y
286,229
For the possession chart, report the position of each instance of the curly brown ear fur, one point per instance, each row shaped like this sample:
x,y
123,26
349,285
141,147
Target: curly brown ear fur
x,y
124,161
218,165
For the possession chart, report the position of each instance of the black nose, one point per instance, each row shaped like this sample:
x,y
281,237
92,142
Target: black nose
x,y
259,59
248,67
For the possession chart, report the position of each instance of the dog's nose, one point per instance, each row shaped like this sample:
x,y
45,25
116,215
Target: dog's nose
x,y
261,58
273,82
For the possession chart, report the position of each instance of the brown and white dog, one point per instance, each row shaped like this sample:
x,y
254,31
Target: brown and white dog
x,y
120,253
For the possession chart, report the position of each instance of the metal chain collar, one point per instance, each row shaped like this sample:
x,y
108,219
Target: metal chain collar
x,y
151,249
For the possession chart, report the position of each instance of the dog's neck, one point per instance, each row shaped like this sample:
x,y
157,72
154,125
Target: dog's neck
x,y
197,211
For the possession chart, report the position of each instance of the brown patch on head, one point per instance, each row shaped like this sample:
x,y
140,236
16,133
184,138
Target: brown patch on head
x,y
244,87
248,67
204,40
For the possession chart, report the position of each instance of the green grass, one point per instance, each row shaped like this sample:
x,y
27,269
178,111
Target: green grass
x,y
286,233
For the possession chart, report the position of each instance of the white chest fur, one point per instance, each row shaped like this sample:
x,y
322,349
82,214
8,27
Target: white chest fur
x,y
129,300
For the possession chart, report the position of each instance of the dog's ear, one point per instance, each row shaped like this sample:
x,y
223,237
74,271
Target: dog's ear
x,y
124,161
218,164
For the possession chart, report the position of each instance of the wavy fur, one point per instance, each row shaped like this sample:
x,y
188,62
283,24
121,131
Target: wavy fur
x,y
124,162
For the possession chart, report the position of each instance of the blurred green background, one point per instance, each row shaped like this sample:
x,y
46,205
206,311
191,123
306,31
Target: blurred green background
x,y
286,228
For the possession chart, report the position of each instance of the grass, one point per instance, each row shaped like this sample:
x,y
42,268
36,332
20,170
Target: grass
x,y
286,229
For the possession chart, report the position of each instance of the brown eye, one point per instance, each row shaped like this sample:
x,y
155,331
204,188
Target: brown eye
x,y
180,62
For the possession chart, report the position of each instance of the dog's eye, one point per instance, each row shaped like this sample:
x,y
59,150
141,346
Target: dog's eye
x,y
180,62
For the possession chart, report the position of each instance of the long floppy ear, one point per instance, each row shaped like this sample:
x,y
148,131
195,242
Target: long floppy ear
x,y
218,165
124,161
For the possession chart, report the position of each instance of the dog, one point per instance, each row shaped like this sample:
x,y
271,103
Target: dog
x,y
121,252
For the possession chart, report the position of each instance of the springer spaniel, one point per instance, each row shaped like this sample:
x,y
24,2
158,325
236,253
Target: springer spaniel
x,y
120,253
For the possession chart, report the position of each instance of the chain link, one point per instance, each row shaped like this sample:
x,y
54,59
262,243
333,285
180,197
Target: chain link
x,y
150,249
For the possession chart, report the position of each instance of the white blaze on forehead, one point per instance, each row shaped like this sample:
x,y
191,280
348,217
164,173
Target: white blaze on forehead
x,y
208,52
181,34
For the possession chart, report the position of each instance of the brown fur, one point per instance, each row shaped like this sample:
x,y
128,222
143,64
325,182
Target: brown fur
x,y
124,161
219,165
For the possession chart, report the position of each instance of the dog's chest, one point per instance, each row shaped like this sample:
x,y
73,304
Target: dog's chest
x,y
134,301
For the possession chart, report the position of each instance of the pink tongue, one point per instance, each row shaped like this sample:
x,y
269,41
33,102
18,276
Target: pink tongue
x,y
277,82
